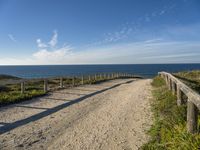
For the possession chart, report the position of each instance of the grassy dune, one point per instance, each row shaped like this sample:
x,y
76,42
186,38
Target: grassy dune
x,y
169,129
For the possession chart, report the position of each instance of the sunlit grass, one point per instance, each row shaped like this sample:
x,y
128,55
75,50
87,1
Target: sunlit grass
x,y
169,129
11,93
191,78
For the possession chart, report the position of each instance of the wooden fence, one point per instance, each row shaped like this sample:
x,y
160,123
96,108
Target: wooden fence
x,y
84,79
193,99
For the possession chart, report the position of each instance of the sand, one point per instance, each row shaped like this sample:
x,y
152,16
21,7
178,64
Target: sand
x,y
111,115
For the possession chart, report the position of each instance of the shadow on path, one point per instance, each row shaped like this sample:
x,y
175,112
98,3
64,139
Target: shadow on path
x,y
11,126
57,99
79,94
31,107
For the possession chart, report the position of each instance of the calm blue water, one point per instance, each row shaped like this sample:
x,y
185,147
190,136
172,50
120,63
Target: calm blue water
x,y
146,70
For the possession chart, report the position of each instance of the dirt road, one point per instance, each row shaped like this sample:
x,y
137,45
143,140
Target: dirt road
x,y
111,115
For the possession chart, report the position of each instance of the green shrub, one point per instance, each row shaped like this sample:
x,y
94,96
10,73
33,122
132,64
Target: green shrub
x,y
158,81
16,96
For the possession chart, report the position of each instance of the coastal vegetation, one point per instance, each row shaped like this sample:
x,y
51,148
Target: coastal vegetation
x,y
10,90
169,129
191,78
10,86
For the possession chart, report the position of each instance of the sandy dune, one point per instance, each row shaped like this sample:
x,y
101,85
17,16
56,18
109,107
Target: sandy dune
x,y
112,115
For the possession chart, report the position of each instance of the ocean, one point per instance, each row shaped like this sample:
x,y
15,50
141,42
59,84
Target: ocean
x,y
145,70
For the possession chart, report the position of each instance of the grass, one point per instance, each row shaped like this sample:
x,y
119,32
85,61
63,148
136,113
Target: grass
x,y
11,93
4,76
16,96
191,78
169,129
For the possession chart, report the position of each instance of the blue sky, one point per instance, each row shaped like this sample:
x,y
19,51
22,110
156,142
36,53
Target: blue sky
x,y
99,31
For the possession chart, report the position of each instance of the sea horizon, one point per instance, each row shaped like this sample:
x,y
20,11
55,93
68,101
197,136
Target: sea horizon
x,y
100,64
144,70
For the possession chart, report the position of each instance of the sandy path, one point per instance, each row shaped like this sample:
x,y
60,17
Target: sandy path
x,y
111,115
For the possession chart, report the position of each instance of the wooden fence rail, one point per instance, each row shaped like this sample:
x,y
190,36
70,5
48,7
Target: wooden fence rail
x,y
83,79
193,99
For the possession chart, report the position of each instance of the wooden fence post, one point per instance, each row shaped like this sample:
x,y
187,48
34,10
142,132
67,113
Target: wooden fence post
x,y
173,87
170,84
179,95
192,117
89,78
82,80
166,80
73,81
61,82
22,87
45,85
95,77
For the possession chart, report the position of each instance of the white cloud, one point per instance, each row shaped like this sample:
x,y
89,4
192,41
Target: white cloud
x,y
48,53
54,40
12,38
55,56
51,44
153,40
40,44
154,51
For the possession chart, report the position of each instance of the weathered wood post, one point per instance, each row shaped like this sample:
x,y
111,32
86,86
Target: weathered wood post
x,y
61,82
45,85
82,80
22,87
73,81
95,77
89,78
170,84
173,87
179,95
192,117
166,81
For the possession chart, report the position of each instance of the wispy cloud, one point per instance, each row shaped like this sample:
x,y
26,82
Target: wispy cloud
x,y
133,29
152,51
153,40
51,44
40,44
48,52
53,40
45,56
12,38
